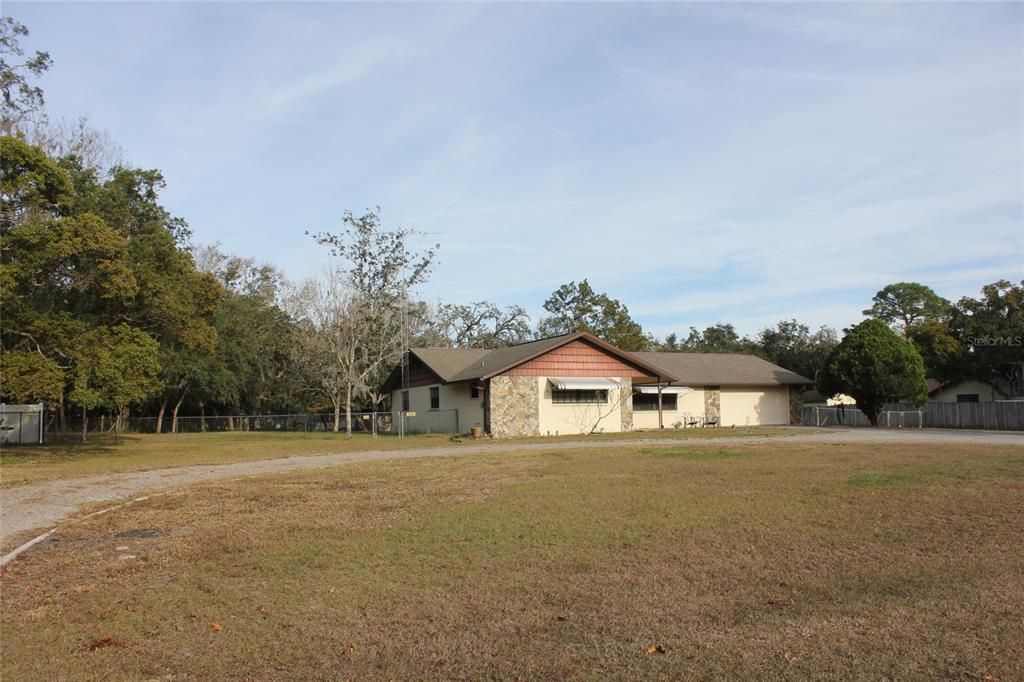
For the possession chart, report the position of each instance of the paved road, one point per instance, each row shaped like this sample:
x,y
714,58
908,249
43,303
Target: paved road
x,y
42,505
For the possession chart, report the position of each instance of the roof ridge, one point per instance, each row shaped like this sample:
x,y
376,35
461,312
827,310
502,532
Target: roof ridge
x,y
510,345
699,352
546,338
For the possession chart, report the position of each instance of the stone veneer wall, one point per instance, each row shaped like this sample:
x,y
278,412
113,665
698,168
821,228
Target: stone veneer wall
x,y
515,406
796,404
627,404
713,404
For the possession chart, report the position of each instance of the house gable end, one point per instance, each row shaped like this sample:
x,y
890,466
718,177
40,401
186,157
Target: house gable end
x,y
417,374
420,374
578,359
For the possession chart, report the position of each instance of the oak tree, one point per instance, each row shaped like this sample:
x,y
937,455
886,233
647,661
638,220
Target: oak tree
x,y
875,366
576,307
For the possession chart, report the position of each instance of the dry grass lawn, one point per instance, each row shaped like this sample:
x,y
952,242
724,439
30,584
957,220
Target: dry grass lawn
x,y
757,561
102,454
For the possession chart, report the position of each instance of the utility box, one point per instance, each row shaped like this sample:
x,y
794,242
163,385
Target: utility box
x,y
21,424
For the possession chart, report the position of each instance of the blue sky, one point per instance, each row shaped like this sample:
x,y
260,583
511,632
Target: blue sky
x,y
741,163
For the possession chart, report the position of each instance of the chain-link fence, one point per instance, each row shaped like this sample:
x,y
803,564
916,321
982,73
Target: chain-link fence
x,y
375,423
430,421
1005,415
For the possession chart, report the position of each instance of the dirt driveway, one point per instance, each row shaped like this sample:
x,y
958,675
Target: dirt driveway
x,y
43,505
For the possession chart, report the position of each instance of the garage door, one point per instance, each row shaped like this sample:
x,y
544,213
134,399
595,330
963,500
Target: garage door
x,y
752,407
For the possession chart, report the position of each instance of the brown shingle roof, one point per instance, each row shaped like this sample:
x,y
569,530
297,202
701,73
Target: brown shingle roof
x,y
464,364
448,363
722,369
500,359
698,369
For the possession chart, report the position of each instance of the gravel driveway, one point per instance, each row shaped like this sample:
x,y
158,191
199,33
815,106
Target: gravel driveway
x,y
42,505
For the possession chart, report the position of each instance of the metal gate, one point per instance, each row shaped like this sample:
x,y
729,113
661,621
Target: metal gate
x,y
21,424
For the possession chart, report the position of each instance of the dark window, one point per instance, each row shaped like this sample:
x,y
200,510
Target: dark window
x,y
559,396
648,402
474,391
967,397
405,401
435,398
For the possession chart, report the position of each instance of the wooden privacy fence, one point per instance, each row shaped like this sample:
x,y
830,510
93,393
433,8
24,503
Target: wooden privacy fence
x,y
1007,415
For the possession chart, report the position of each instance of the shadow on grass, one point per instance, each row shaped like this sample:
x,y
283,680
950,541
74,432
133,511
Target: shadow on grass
x,y
66,447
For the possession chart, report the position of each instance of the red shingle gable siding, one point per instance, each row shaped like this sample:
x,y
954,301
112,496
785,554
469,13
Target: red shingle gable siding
x,y
576,359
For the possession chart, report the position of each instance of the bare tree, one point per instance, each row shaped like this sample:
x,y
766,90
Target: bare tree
x,y
482,325
378,270
92,147
209,257
588,416
322,311
243,276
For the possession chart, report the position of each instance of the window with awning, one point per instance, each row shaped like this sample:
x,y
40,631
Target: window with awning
x,y
581,390
581,396
665,390
584,384
646,398
648,402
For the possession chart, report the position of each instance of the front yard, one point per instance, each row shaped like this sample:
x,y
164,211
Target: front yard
x,y
742,562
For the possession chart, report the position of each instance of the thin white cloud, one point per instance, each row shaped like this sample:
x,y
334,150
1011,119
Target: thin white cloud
x,y
327,80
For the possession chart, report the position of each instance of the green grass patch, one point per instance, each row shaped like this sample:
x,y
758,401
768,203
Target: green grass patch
x,y
580,563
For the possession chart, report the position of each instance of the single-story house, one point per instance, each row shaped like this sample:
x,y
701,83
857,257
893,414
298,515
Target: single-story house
x,y
577,383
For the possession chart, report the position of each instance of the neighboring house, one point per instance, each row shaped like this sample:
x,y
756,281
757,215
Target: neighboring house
x,y
964,391
577,383
812,397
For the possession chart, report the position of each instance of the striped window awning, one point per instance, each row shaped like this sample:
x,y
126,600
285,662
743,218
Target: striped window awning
x,y
583,384
665,390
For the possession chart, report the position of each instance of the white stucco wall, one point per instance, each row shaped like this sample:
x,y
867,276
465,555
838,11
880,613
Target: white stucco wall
x,y
457,397
754,406
739,407
691,404
451,397
948,394
564,419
